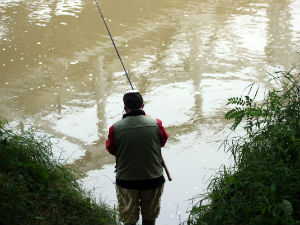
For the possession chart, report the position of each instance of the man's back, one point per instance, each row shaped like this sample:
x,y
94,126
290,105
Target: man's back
x,y
138,144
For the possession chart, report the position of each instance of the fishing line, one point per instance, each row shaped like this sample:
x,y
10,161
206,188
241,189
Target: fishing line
x,y
113,43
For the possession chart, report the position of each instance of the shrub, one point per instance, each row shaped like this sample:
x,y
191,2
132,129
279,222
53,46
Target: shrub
x,y
263,185
37,189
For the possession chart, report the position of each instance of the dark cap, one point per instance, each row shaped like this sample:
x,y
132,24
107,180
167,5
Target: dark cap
x,y
133,100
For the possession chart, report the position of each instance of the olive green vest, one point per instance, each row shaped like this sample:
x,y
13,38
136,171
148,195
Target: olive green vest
x,y
137,144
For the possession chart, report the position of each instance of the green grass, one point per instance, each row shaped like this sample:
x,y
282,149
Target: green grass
x,y
263,185
37,189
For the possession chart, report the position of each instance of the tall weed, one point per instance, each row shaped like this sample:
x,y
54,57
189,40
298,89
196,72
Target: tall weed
x,y
263,185
36,189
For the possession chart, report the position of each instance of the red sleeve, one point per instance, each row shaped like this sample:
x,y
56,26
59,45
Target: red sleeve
x,y
110,145
163,134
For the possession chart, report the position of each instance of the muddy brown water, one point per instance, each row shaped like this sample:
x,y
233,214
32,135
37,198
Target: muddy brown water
x,y
59,72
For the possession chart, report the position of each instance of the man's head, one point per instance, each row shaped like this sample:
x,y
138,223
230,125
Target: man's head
x,y
133,100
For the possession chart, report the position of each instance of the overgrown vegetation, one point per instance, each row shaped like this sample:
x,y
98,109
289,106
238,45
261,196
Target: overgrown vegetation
x,y
263,185
36,189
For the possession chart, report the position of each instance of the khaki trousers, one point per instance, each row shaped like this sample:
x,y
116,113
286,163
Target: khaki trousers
x,y
131,201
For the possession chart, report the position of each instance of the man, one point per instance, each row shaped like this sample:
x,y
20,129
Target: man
x,y
136,142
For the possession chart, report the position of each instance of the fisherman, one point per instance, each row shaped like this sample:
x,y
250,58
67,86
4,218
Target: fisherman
x,y
136,142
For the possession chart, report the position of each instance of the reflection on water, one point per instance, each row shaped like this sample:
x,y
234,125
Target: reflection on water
x,y
59,70
69,8
73,119
161,106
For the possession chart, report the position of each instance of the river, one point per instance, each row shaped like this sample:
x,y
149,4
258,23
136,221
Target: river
x,y
60,73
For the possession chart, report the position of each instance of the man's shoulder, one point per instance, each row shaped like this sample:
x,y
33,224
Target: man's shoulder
x,y
149,120
119,123
154,120
135,121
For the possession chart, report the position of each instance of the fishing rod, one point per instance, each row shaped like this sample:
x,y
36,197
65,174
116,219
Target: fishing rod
x,y
112,40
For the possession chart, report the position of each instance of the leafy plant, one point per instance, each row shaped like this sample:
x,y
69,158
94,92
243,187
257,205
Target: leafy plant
x,y
263,185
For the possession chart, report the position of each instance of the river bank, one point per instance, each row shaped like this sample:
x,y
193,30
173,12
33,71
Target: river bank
x,y
36,189
263,185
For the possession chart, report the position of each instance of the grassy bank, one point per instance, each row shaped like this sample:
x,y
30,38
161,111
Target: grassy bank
x,y
36,189
263,185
